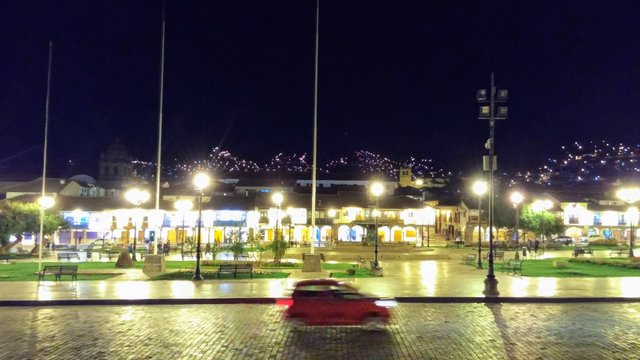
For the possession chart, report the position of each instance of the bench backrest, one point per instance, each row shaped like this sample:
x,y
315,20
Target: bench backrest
x,y
244,266
68,269
227,267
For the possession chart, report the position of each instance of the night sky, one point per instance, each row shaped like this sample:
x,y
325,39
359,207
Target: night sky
x,y
396,77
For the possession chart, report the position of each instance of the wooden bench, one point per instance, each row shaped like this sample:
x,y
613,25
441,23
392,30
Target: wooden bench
x,y
469,259
68,256
619,251
512,266
5,257
497,256
235,269
58,270
188,252
109,254
582,250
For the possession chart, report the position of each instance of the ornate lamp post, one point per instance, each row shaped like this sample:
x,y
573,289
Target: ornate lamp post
x,y
376,190
630,196
541,206
516,199
136,197
480,188
200,182
277,199
45,202
183,206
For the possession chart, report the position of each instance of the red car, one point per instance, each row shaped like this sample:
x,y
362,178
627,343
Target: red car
x,y
329,302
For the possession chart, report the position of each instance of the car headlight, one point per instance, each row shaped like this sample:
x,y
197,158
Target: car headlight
x,y
386,303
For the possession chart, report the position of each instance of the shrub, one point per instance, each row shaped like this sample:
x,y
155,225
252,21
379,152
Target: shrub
x,y
237,248
560,264
604,242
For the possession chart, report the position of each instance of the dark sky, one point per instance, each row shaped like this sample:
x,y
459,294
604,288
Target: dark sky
x,y
396,77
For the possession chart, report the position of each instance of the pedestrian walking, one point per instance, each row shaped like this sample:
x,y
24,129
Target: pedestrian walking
x,y
524,251
207,249
166,248
536,245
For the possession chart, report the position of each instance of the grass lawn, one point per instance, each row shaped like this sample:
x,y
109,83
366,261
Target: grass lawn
x,y
339,270
212,275
26,271
545,268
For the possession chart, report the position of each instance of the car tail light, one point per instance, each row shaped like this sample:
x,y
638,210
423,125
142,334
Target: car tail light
x,y
387,303
284,302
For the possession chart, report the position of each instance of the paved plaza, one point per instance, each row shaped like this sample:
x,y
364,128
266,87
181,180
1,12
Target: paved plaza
x,y
418,331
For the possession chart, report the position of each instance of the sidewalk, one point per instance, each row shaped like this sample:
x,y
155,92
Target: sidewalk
x,y
430,280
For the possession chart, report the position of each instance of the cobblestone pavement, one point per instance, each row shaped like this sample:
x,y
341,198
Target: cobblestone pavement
x,y
418,331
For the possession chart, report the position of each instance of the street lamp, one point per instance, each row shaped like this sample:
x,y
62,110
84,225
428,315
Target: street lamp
x,y
183,206
541,206
136,197
516,199
630,196
376,190
200,182
45,202
480,188
277,199
490,111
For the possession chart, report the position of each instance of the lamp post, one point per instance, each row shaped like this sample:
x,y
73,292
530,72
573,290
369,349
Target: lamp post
x,y
490,111
136,197
183,206
516,199
200,182
630,196
277,199
480,188
541,206
376,190
45,202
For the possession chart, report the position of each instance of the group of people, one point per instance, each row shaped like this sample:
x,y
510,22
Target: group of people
x,y
532,247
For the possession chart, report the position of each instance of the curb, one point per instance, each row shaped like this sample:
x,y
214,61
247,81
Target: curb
x,y
272,301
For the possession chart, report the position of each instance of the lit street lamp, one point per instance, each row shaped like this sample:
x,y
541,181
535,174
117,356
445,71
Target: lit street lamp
x,y
136,197
277,199
630,196
200,182
480,188
183,206
489,110
516,199
541,206
45,202
376,190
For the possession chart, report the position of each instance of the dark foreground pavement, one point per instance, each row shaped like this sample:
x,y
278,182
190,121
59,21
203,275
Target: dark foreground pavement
x,y
252,331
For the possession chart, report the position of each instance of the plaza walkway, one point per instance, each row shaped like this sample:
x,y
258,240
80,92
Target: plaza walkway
x,y
408,273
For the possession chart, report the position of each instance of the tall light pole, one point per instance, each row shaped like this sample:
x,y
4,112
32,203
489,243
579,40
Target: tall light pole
x,y
136,197
480,188
376,190
630,196
489,112
542,206
277,199
45,203
516,199
183,206
200,182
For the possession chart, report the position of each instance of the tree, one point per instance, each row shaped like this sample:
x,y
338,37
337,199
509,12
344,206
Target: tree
x,y
18,217
532,220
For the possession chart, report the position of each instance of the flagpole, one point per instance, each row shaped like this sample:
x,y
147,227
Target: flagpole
x,y
44,161
159,155
315,133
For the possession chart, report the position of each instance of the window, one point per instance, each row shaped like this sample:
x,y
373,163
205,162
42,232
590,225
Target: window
x,y
574,219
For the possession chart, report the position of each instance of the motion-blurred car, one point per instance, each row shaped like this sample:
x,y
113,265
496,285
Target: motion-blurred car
x,y
329,302
566,240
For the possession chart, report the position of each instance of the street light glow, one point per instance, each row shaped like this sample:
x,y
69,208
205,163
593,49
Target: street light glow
x,y
137,196
541,205
516,198
480,187
201,181
332,213
46,202
277,198
629,195
183,205
377,189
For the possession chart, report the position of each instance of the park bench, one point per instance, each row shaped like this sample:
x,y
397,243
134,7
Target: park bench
x,y
109,254
497,256
58,270
235,269
68,256
364,263
5,257
469,259
582,250
186,252
619,251
512,266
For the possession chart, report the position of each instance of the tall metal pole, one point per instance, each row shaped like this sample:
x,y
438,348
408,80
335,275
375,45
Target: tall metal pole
x,y
632,238
315,132
375,244
517,255
479,232
159,155
197,275
491,284
44,161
